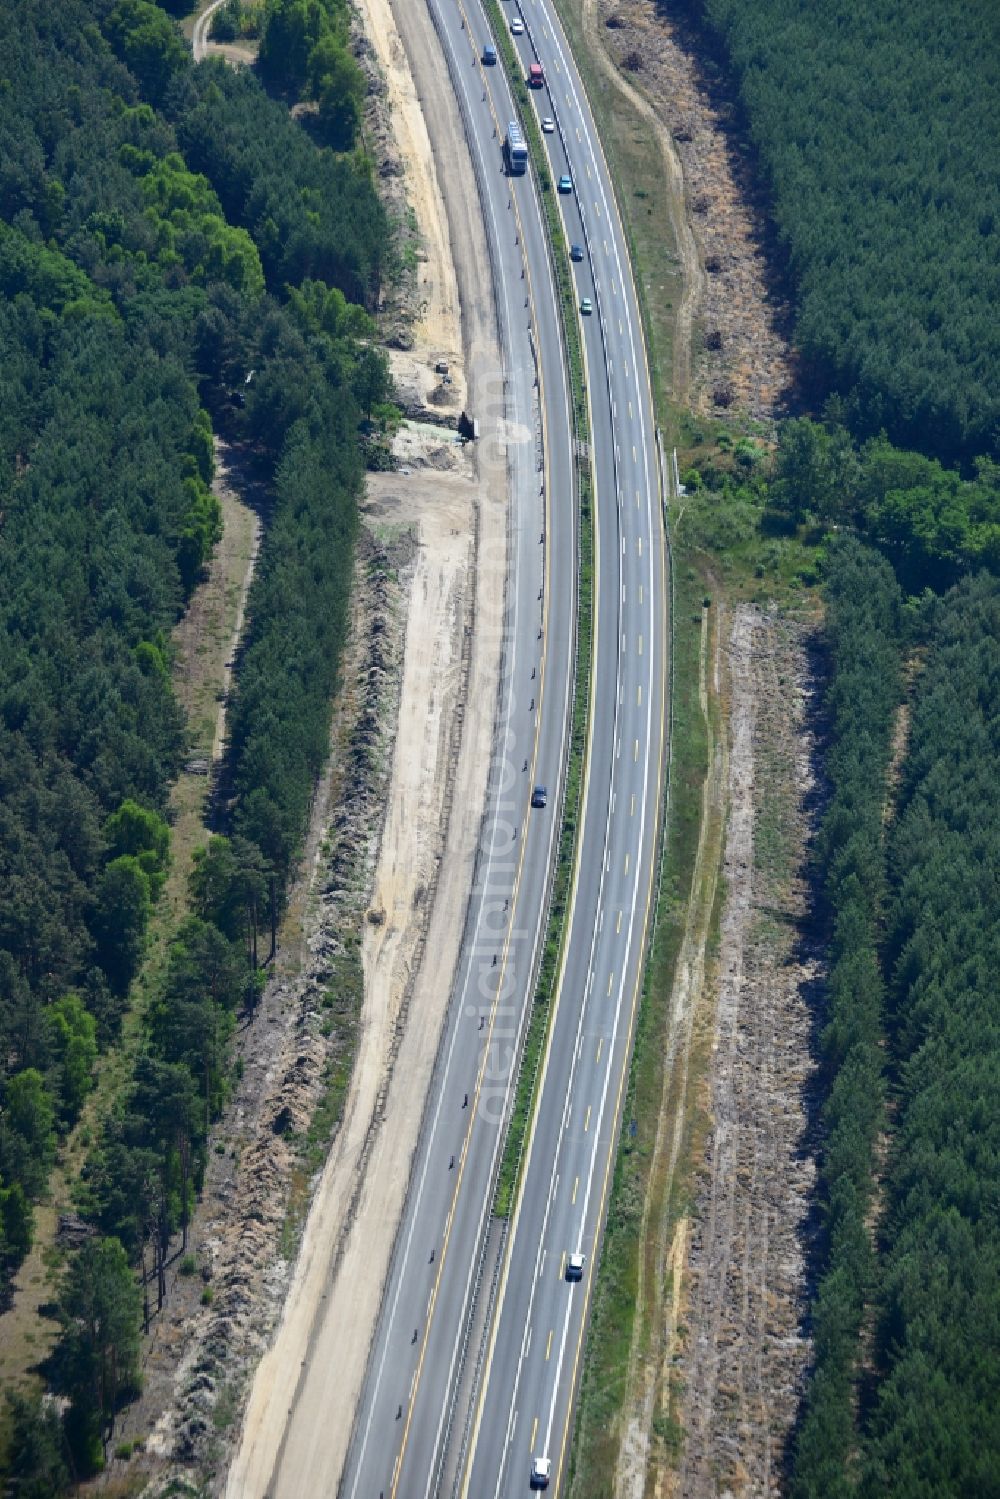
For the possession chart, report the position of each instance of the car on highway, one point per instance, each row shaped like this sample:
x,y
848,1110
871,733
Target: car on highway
x,y
565,183
586,306
540,796
574,1267
489,56
517,26
576,252
541,1470
548,125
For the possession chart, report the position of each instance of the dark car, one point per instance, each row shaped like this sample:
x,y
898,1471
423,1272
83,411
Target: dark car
x,y
489,56
540,796
565,183
576,252
574,1266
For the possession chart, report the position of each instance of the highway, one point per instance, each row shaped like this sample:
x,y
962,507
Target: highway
x,y
475,1361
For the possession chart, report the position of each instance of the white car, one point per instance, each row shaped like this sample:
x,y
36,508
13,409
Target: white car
x,y
541,1469
548,124
517,26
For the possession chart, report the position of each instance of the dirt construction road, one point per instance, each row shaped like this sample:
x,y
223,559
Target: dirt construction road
x,y
301,1406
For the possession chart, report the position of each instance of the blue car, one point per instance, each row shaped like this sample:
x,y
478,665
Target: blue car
x,y
565,183
489,56
576,252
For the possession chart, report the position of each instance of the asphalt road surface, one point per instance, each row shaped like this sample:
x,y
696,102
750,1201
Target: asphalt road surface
x,y
475,1361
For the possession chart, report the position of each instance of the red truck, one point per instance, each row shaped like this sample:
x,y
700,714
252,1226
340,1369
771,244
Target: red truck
x,y
536,78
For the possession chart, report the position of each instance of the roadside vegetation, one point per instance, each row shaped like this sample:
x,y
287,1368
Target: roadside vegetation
x,y
304,51
177,258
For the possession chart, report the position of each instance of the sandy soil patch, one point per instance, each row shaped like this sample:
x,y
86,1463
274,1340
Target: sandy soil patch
x,y
745,1357
718,1354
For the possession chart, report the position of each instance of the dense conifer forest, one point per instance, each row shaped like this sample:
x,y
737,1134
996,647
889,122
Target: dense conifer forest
x,y
164,231
906,1323
863,627
876,124
930,1419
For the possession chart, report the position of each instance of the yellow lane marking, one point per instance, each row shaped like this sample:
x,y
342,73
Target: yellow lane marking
x,y
611,979
600,1048
534,1430
562,1265
635,752
548,1350
626,863
586,1122
618,926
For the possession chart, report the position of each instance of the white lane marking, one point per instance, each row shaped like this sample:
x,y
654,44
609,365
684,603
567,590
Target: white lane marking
x,y
632,341
496,814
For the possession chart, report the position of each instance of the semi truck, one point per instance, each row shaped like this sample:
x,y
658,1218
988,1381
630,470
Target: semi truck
x,y
515,150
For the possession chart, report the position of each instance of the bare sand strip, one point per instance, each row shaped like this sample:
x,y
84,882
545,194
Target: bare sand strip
x,y
303,1399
